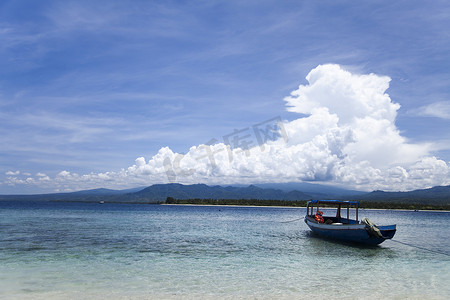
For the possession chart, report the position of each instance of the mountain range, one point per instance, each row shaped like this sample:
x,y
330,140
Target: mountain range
x,y
158,193
438,195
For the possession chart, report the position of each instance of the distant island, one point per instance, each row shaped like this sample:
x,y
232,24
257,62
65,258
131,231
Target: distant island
x,y
437,198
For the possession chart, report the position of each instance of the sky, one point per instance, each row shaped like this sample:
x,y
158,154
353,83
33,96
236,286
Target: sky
x,y
121,94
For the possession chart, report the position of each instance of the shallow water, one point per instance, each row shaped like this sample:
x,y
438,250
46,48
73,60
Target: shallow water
x,y
120,251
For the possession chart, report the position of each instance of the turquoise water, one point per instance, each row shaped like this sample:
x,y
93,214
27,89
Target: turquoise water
x,y
119,251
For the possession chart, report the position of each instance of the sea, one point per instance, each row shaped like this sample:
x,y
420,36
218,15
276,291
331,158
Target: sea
x,y
53,250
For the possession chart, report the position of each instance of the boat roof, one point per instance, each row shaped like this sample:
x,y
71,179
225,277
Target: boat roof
x,y
335,202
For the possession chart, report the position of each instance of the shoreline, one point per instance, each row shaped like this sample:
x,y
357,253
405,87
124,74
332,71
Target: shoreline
x,y
298,207
212,205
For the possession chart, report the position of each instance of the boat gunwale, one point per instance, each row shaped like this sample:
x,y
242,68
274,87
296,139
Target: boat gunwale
x,y
334,227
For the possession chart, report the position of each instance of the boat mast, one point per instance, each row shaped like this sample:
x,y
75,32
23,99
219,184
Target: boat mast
x,y
348,213
357,206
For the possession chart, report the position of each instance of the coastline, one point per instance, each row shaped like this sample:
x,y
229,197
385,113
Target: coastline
x,y
185,203
298,207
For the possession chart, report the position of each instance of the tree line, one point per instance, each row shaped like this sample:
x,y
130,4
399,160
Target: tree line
x,y
243,202
302,203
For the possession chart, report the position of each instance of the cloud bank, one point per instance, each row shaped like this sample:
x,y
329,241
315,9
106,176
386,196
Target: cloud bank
x,y
345,135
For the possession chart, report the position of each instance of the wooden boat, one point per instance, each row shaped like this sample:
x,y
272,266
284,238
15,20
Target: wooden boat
x,y
345,229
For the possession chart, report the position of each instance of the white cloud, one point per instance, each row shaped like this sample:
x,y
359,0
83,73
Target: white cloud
x,y
348,137
12,181
42,177
347,95
12,173
438,109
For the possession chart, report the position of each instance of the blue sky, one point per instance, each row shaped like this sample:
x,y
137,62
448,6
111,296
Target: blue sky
x,y
88,87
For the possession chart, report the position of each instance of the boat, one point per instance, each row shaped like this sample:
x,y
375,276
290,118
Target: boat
x,y
346,229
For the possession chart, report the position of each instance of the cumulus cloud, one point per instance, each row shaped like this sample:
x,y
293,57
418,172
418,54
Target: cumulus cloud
x,y
12,173
346,134
42,177
344,94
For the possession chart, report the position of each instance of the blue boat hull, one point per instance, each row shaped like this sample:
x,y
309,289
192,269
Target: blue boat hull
x,y
355,233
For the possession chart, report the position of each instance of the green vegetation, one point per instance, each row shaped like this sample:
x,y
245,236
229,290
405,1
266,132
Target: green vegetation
x,y
302,203
403,205
243,202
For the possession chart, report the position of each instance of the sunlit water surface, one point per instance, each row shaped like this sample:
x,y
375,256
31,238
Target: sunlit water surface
x,y
120,251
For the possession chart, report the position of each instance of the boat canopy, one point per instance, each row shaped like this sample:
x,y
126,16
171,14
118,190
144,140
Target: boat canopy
x,y
336,202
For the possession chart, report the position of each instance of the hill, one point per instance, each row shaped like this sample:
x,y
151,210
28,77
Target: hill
x,y
317,191
159,192
436,196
